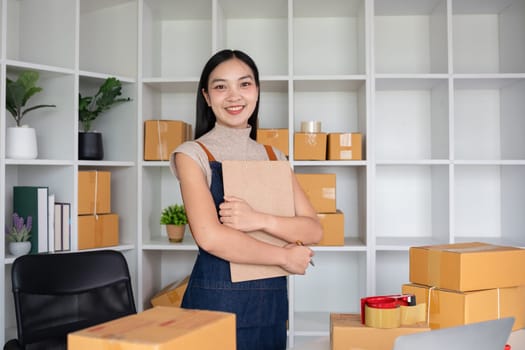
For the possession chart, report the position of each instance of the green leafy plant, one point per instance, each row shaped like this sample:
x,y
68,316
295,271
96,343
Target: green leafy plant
x,y
90,107
174,215
19,92
19,231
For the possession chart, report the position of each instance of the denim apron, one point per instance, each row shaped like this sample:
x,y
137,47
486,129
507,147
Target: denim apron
x,y
261,306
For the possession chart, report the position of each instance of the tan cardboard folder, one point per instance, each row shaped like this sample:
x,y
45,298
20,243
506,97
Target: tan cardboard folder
x,y
267,187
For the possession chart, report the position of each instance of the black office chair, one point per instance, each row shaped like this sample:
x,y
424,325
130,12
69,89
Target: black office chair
x,y
56,294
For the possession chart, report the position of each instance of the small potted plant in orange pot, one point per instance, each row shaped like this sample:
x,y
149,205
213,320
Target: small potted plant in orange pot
x,y
174,217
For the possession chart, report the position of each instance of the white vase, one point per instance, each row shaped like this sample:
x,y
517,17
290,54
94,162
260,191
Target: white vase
x,y
19,248
21,143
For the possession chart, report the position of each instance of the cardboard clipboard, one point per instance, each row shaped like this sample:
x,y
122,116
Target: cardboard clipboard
x,y
267,187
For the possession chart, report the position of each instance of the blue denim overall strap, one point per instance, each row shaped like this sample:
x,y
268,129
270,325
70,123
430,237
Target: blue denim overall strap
x,y
261,306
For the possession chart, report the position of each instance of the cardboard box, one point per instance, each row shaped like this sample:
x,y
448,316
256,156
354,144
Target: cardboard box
x,y
347,332
161,137
467,266
172,294
451,308
310,146
320,190
333,228
277,138
94,192
96,231
345,146
160,328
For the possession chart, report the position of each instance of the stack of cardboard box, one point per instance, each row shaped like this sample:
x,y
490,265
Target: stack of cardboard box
x,y
161,137
320,190
97,226
468,282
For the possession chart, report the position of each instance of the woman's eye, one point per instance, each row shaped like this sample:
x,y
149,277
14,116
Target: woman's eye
x,y
246,84
219,87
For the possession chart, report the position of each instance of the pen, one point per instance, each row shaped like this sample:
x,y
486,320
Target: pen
x,y
301,244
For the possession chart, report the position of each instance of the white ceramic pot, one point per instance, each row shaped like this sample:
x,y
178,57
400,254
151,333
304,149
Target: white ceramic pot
x,y
21,143
19,248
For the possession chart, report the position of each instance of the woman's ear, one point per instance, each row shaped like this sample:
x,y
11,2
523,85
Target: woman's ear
x,y
206,97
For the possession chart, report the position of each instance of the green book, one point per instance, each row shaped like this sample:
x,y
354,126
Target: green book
x,y
33,201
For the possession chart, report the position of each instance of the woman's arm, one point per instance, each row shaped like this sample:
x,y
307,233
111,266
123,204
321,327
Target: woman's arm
x,y
304,226
221,240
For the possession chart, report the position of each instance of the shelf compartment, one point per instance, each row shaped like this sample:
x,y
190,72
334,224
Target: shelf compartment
x,y
169,29
488,37
256,28
392,271
336,282
350,198
340,105
332,37
411,202
169,100
59,180
410,36
488,119
487,199
160,188
123,200
108,36
162,268
273,106
411,119
52,125
116,124
41,32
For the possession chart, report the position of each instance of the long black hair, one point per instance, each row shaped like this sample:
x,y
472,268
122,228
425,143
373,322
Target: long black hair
x,y
205,119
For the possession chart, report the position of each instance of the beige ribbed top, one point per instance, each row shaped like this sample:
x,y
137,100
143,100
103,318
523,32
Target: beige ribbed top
x,y
224,144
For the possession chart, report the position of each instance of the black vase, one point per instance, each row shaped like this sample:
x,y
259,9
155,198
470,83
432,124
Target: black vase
x,y
90,146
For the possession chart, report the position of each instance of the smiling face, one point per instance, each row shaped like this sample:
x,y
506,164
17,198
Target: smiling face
x,y
232,93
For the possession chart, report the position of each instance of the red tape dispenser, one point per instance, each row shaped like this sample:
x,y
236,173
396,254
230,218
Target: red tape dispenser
x,y
383,311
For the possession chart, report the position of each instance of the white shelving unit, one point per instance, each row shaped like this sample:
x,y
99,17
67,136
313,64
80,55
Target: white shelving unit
x,y
435,86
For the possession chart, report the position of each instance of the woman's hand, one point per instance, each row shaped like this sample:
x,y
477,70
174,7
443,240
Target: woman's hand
x,y
298,258
238,214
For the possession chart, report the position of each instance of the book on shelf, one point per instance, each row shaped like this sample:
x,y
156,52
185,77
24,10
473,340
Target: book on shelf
x,y
33,201
51,223
62,234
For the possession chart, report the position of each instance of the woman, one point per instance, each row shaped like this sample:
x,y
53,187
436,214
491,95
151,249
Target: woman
x,y
225,129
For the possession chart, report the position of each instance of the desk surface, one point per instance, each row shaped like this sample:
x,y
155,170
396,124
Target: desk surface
x,y
516,341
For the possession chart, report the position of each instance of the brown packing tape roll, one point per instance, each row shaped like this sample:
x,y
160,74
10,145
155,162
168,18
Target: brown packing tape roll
x,y
382,318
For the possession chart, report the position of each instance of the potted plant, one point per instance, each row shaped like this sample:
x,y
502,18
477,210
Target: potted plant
x,y
174,217
19,235
89,108
21,140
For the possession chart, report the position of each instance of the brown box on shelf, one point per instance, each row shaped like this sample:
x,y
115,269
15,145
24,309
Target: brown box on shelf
x,y
160,328
345,146
97,231
172,294
320,190
161,137
333,228
94,192
347,332
310,146
274,137
467,266
451,308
